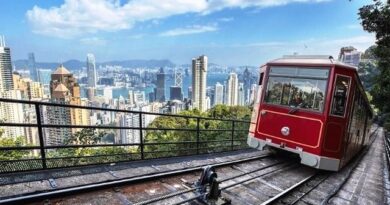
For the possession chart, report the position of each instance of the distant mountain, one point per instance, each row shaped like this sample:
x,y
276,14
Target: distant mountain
x,y
140,63
77,65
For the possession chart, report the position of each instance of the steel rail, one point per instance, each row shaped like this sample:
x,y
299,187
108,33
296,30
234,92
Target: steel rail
x,y
310,190
276,197
124,181
234,184
289,190
193,189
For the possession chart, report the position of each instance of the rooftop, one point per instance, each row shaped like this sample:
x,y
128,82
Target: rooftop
x,y
61,71
324,60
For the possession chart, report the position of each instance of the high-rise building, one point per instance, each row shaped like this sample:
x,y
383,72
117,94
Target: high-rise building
x,y
139,97
350,55
20,84
44,76
176,93
189,92
132,120
35,90
131,98
232,90
178,79
28,89
12,113
6,82
91,70
91,93
32,67
248,80
253,93
208,102
241,94
160,86
199,78
9,112
64,89
218,95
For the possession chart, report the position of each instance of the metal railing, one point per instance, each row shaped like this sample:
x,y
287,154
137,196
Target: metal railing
x,y
201,135
387,149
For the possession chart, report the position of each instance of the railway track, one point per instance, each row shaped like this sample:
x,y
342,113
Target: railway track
x,y
38,196
178,187
262,179
295,195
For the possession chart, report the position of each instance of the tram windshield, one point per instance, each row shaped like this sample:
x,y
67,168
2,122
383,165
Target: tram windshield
x,y
297,87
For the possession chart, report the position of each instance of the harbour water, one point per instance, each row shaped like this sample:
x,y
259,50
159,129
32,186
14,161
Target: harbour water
x,y
212,79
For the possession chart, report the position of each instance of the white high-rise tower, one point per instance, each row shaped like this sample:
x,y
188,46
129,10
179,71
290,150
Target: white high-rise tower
x,y
218,95
199,78
232,90
91,70
6,82
9,112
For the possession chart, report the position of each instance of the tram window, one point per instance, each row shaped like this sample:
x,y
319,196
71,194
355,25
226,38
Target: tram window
x,y
297,87
303,93
261,78
340,95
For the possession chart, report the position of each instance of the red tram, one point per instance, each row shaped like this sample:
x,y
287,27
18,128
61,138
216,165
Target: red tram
x,y
313,106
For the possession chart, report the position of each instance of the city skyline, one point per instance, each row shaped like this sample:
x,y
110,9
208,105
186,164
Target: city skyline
x,y
182,31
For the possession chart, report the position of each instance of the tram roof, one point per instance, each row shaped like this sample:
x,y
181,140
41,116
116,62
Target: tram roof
x,y
324,60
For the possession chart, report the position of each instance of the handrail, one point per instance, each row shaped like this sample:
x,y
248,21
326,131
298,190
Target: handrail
x,y
43,153
111,109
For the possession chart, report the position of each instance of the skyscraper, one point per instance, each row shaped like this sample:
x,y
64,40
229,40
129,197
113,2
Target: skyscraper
x,y
199,78
241,94
6,82
44,76
160,87
218,96
12,113
63,89
9,112
91,70
350,55
232,90
248,80
176,93
178,78
32,67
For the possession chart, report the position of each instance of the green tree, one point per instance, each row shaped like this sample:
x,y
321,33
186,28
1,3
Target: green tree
x,y
12,142
376,19
211,131
88,155
368,73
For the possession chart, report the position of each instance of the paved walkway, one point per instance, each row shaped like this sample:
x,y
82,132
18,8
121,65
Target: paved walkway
x,y
366,183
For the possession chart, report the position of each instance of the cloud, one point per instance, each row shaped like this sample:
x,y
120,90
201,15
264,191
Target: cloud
x,y
226,19
313,46
93,41
136,36
78,17
189,30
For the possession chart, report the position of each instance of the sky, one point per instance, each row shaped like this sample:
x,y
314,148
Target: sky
x,y
229,32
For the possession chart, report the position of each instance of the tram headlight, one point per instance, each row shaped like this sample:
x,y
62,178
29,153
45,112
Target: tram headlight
x,y
285,131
